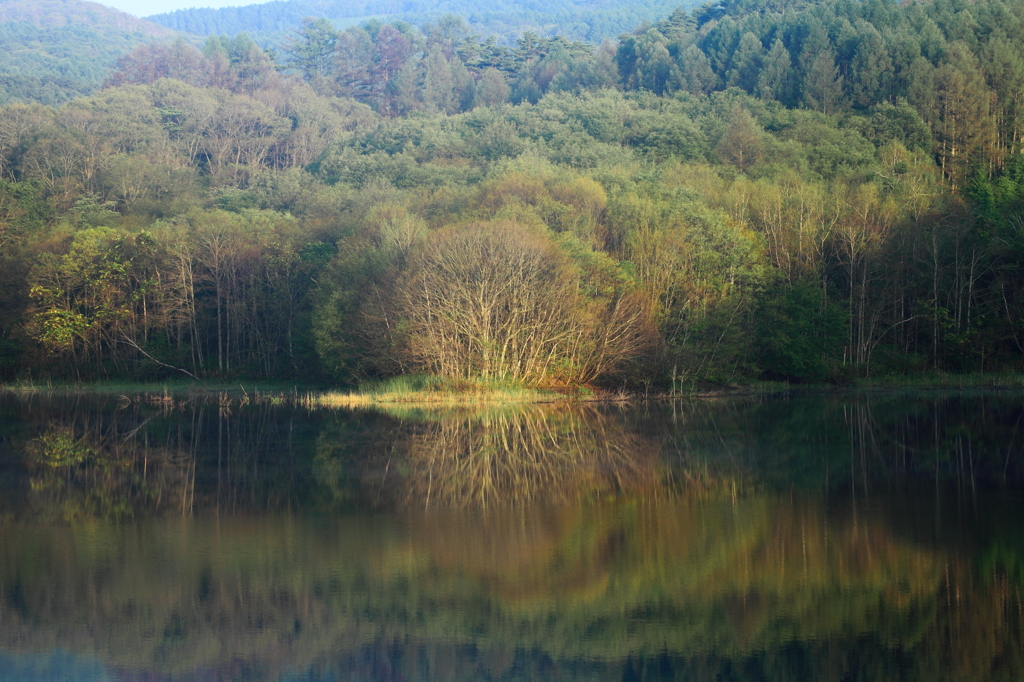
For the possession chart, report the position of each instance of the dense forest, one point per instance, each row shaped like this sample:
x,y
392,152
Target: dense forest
x,y
506,20
57,51
806,191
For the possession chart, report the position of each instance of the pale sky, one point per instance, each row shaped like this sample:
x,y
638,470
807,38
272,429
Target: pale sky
x,y
144,8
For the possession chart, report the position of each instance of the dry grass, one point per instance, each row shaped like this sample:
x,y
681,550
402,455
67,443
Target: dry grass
x,y
431,391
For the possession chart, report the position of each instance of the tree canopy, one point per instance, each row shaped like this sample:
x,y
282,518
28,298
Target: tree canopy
x,y
811,191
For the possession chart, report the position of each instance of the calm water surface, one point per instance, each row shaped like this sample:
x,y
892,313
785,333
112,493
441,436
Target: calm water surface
x,y
851,537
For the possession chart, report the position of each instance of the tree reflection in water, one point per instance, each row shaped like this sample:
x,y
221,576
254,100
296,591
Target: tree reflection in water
x,y
578,543
519,456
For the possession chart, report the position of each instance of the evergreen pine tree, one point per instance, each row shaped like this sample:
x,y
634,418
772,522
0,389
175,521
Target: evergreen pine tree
x,y
311,49
823,86
774,79
746,63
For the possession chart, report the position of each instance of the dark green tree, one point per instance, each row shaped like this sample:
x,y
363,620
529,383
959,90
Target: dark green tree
x,y
774,81
311,49
823,86
746,63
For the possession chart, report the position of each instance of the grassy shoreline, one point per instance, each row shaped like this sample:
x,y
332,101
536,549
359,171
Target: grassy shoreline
x,y
404,390
428,391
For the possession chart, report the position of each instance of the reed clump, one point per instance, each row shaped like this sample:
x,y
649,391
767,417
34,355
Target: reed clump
x,y
432,390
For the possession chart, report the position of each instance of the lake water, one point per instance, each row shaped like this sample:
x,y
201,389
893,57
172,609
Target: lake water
x,y
814,537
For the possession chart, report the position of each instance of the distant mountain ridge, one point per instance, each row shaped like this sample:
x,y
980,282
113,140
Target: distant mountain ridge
x,y
589,20
60,13
56,50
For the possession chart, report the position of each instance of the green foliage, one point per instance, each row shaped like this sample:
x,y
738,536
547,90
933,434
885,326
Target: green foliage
x,y
699,173
356,276
800,334
51,58
899,123
88,298
312,48
505,20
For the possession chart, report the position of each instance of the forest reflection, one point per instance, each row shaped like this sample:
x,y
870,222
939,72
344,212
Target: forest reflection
x,y
763,581
215,542
83,457
517,456
95,460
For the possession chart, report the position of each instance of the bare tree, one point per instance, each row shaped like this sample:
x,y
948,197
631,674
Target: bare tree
x,y
501,301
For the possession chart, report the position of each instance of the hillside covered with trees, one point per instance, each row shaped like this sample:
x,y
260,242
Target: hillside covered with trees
x,y
55,51
505,20
809,191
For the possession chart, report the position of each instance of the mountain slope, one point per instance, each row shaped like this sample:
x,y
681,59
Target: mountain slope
x,y
56,50
590,20
61,13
